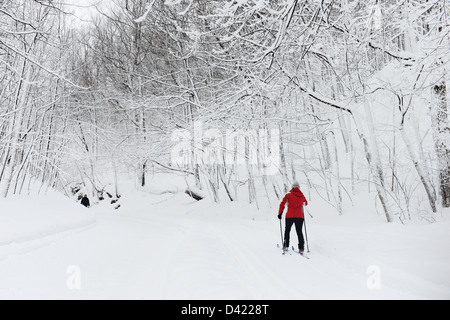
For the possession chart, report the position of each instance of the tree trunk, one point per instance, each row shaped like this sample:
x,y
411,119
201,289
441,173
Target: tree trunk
x,y
16,125
442,141
373,158
420,170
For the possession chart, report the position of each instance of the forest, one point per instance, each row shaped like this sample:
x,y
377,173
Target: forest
x,y
343,96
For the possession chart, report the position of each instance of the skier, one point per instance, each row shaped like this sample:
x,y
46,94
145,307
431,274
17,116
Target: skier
x,y
294,215
85,201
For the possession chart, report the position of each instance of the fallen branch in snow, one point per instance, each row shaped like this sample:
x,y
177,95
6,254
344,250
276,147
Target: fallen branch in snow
x,y
194,195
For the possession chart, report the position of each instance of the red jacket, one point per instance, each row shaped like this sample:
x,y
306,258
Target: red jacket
x,y
295,200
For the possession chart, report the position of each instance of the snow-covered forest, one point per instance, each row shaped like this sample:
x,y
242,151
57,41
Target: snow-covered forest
x,y
356,91
147,106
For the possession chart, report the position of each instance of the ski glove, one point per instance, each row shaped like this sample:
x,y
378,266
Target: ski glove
x,y
279,216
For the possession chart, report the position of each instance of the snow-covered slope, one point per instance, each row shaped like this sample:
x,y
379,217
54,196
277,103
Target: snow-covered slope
x,y
27,218
171,247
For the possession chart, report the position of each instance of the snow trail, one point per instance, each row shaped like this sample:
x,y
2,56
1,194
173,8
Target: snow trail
x,y
184,250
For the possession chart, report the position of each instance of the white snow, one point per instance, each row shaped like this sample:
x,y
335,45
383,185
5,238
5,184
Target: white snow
x,y
28,218
168,246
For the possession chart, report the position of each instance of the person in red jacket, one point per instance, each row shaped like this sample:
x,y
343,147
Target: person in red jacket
x,y
295,215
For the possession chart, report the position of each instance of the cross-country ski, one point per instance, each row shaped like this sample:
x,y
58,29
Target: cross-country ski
x,y
300,253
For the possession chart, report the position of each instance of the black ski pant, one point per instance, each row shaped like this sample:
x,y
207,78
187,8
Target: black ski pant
x,y
298,227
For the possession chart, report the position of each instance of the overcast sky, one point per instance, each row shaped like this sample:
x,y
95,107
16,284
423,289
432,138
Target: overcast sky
x,y
85,9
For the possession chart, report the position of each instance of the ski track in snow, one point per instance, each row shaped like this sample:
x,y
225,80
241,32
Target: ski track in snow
x,y
157,254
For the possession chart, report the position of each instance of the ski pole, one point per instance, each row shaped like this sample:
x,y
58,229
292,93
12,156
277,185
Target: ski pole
x,y
281,233
307,211
306,231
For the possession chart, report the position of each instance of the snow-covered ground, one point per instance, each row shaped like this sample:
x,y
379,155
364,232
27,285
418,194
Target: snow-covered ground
x,y
169,246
